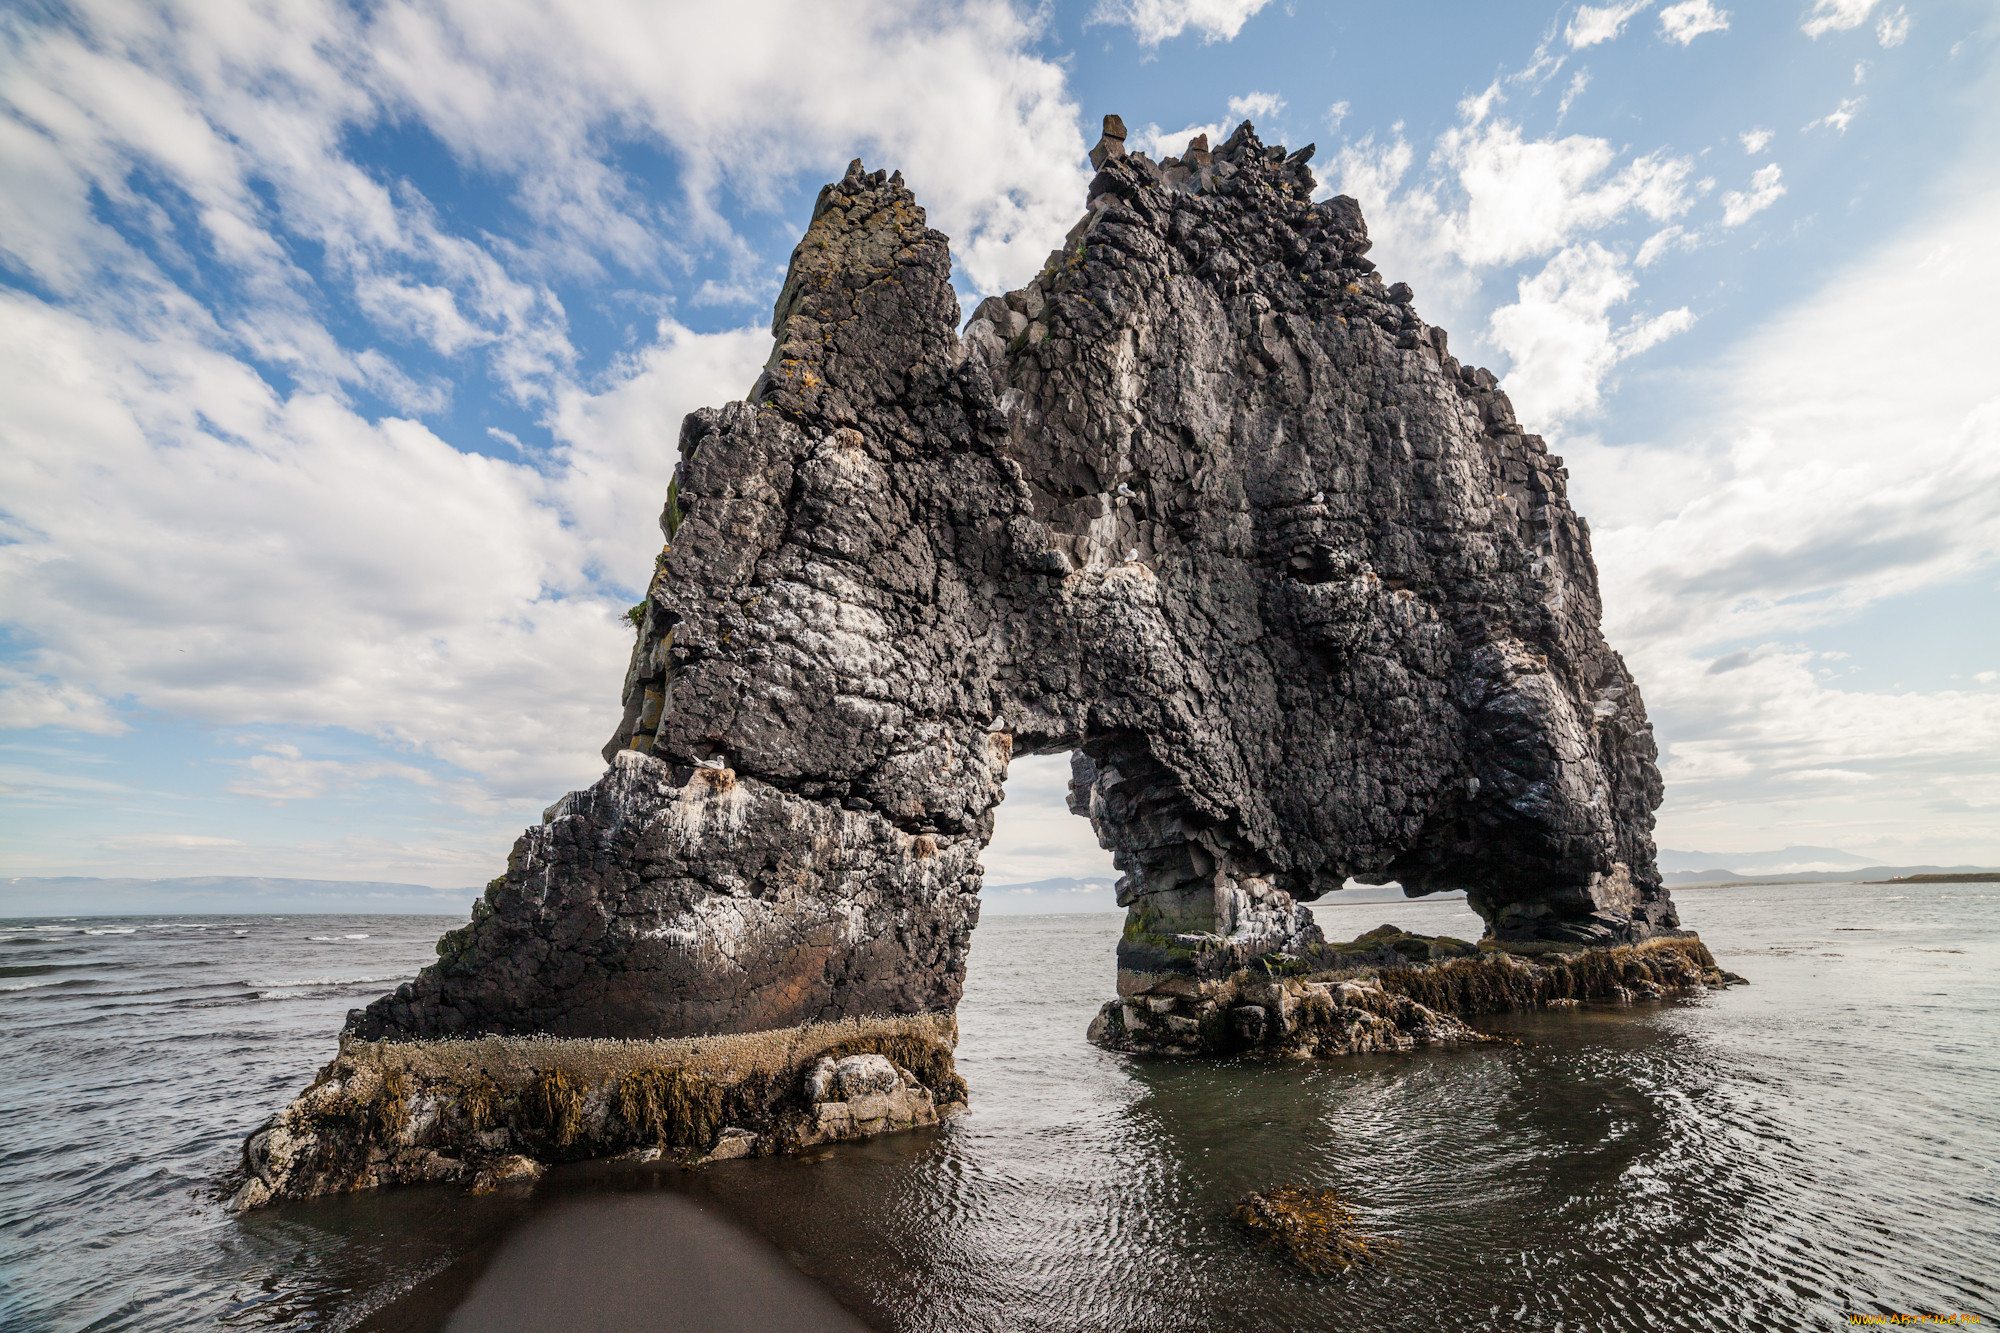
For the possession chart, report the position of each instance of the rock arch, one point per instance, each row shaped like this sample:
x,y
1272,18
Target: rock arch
x,y
1206,503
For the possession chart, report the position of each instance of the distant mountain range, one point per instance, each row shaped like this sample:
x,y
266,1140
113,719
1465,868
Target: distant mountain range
x,y
1859,875
1045,896
71,895
1784,861
1788,865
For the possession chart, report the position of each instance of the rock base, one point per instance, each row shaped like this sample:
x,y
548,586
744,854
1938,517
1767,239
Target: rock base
x,y
1392,991
491,1111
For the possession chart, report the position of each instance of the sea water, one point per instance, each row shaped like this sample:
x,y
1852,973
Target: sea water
x,y
1819,1144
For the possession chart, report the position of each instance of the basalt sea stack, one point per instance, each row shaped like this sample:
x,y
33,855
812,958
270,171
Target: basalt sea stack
x,y
1206,505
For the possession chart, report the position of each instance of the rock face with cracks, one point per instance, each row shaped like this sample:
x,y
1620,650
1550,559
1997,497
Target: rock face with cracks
x,y
1205,504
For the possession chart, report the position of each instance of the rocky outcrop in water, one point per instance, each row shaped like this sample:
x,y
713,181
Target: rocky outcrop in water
x,y
1205,504
492,1110
1393,991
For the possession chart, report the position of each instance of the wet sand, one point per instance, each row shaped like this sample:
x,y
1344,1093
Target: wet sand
x,y
655,1261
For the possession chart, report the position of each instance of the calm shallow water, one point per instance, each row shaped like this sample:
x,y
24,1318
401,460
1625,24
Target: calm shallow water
x,y
1770,1157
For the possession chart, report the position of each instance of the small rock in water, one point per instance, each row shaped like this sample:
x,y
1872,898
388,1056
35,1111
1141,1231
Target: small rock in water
x,y
505,1170
1314,1229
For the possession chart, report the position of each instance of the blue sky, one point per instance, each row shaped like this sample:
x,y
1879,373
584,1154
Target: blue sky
x,y
345,348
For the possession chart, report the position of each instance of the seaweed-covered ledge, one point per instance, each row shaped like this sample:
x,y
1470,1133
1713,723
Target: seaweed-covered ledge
x,y
489,1109
1393,991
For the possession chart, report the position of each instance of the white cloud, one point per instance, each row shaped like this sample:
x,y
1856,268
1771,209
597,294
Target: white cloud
x,y
1739,206
1577,84
1893,28
178,535
168,842
1840,117
1559,334
1255,106
1335,114
283,773
1822,478
1835,16
1661,242
1156,21
1861,68
1489,198
28,701
1034,834
1600,23
1159,143
1528,197
618,445
1686,21
1755,141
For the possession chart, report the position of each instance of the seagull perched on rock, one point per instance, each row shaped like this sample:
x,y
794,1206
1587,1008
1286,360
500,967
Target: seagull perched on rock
x,y
1132,554
1126,491
1319,497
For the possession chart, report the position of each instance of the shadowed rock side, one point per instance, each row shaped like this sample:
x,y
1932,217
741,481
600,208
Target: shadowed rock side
x,y
1206,504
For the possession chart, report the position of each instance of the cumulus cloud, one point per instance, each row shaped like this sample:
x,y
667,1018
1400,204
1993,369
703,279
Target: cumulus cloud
x,y
1490,198
1835,16
1255,106
1156,21
1739,206
1593,24
1560,337
1686,21
1893,28
1755,141
199,516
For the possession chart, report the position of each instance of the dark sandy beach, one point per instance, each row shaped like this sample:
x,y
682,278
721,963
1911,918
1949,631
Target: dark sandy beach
x,y
642,1262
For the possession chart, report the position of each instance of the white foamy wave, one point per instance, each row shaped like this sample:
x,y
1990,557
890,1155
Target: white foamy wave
x,y
294,983
29,985
112,930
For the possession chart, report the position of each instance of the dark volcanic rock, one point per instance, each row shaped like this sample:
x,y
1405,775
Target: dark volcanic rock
x,y
1206,504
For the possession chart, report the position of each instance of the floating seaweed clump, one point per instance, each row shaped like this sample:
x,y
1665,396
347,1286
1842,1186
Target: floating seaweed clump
x,y
1315,1229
